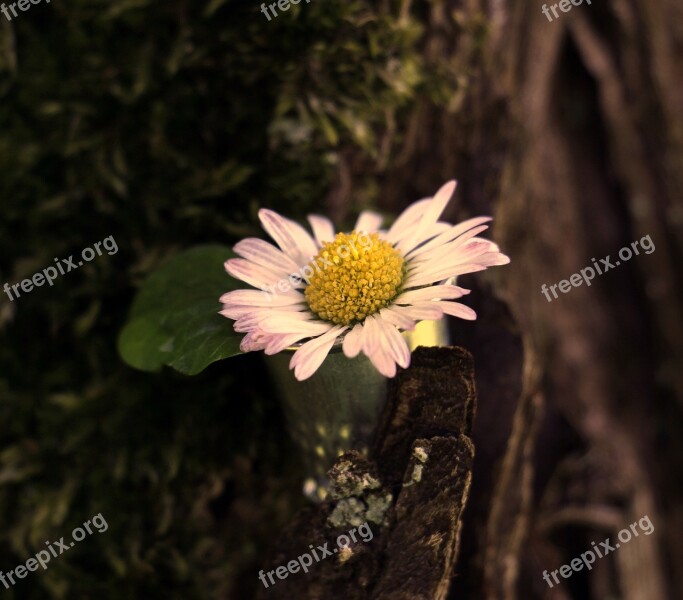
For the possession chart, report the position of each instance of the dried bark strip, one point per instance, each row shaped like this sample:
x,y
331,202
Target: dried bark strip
x,y
423,543
423,458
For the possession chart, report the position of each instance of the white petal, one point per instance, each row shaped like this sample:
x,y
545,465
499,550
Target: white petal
x,y
245,324
278,343
442,226
419,279
235,312
253,341
368,222
261,298
432,292
426,311
240,311
429,218
465,254
449,254
422,254
382,360
492,246
395,344
353,341
431,232
493,259
406,220
323,229
311,355
370,335
279,324
383,363
437,229
291,237
265,254
252,273
287,312
453,232
446,266
261,319
397,318
457,310
473,256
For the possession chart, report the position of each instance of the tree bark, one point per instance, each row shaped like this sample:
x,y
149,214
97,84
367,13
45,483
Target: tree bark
x,y
412,492
570,133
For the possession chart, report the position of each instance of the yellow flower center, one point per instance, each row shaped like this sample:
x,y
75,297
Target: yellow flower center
x,y
353,277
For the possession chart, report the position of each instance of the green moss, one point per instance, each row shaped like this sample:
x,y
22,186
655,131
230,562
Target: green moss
x,y
166,125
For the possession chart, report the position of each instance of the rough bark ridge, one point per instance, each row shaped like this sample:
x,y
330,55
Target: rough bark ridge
x,y
411,491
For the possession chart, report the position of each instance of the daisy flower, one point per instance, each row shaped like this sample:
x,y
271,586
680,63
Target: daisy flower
x,y
362,288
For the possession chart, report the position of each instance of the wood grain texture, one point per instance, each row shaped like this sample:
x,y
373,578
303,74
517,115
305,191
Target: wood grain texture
x,y
422,464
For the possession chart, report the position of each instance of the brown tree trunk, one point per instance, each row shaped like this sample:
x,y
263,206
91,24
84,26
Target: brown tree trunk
x,y
570,133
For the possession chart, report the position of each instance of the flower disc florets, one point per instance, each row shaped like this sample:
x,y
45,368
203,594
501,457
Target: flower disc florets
x,y
355,276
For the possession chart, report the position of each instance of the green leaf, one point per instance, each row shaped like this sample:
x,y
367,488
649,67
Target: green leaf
x,y
174,319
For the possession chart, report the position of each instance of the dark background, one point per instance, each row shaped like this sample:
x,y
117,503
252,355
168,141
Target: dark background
x,y
168,124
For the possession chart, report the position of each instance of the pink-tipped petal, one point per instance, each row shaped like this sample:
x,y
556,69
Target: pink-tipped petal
x,y
235,312
397,318
453,232
395,344
253,341
493,259
292,239
278,343
469,253
257,298
280,324
419,279
432,292
371,336
265,254
429,218
252,273
353,341
493,247
311,355
456,309
426,311
383,362
408,218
